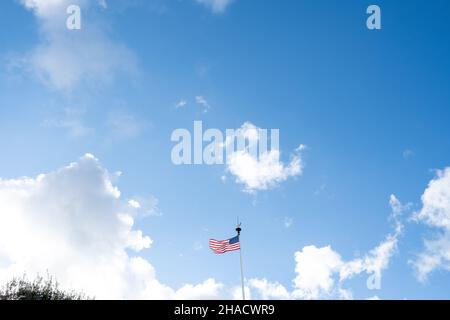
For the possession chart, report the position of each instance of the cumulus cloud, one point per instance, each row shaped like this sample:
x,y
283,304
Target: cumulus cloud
x,y
267,290
64,59
315,268
321,272
436,202
256,168
73,223
435,213
263,173
216,6
236,293
209,289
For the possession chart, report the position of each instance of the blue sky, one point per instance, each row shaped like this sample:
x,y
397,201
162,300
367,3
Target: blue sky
x,y
372,107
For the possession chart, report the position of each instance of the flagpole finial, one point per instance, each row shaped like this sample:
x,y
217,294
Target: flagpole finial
x,y
238,228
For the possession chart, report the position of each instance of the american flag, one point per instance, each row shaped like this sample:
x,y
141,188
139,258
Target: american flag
x,y
222,246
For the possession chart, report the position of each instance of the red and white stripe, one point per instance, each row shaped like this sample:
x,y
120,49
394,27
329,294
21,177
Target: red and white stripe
x,y
223,246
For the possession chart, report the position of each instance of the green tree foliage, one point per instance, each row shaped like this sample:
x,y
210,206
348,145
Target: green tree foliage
x,y
38,289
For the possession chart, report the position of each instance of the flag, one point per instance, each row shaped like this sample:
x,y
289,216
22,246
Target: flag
x,y
220,247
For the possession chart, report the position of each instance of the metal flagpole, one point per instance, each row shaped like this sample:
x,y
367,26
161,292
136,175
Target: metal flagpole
x,y
238,229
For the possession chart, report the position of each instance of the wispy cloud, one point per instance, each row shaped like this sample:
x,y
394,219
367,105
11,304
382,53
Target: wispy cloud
x,y
288,221
140,206
200,101
181,104
71,121
65,59
320,189
122,125
198,246
216,6
407,154
203,103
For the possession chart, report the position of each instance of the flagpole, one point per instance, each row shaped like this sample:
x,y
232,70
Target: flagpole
x,y
238,229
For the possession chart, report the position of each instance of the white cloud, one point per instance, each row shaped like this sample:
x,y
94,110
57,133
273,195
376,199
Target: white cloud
x,y
379,257
269,290
208,290
134,204
321,272
66,59
373,263
436,202
72,121
198,246
200,100
118,125
407,154
144,206
122,125
49,7
216,6
436,256
288,222
73,223
44,7
103,4
320,189
315,268
345,294
435,213
236,293
180,104
264,171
